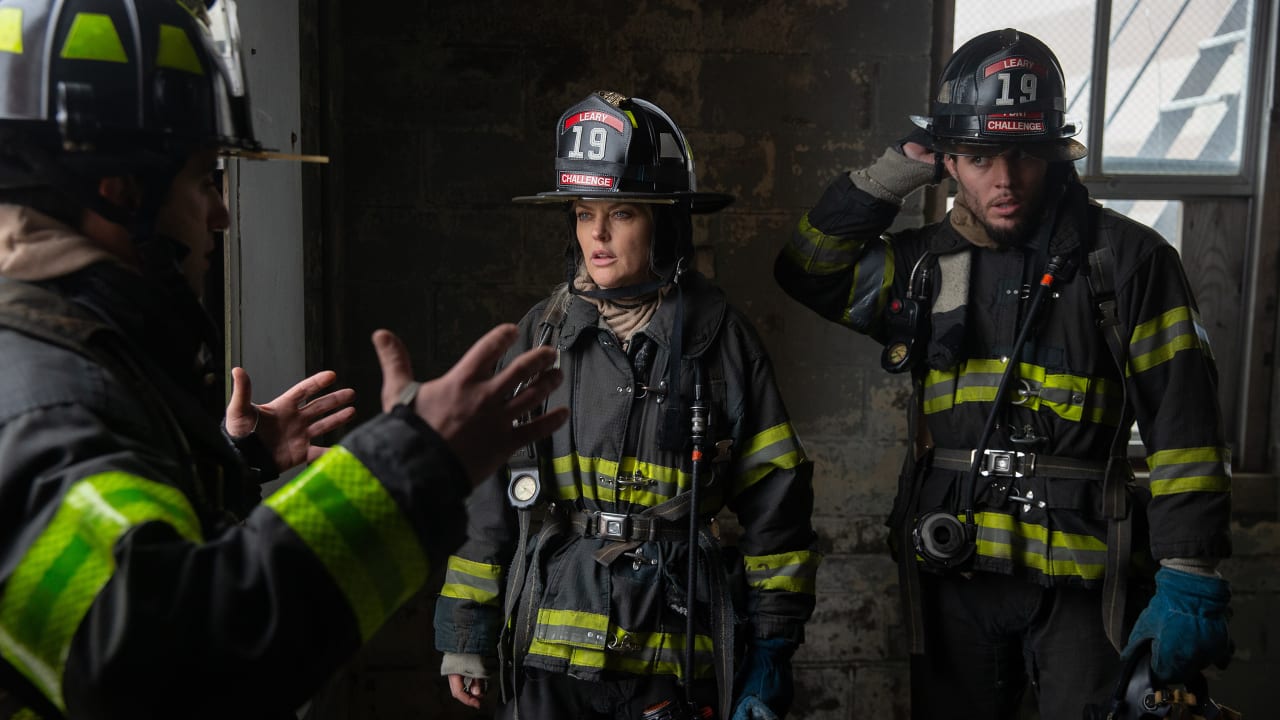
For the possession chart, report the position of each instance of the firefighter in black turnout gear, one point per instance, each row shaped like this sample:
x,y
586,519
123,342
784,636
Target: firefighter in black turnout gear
x,y
139,575
1036,327
574,584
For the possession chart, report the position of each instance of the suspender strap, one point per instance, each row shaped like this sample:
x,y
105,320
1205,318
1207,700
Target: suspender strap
x,y
913,469
723,618
1115,504
530,458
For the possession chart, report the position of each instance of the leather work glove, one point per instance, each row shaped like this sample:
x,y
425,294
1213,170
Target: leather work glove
x,y
1186,622
764,685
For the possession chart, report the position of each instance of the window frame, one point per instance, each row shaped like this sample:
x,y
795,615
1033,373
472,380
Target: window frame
x,y
1173,186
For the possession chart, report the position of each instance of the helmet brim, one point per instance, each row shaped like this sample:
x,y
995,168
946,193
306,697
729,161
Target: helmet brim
x,y
1064,150
698,202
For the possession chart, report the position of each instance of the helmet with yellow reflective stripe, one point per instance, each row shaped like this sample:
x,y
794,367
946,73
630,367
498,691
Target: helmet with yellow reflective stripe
x,y
114,87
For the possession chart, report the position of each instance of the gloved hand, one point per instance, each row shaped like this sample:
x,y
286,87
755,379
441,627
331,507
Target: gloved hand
x,y
923,153
764,683
751,708
1186,622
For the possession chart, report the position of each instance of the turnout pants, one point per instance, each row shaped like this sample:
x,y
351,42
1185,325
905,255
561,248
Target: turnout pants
x,y
990,637
553,696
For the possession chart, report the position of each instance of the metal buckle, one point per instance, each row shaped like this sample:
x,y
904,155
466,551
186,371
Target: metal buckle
x,y
637,479
613,526
1025,393
1027,500
1007,463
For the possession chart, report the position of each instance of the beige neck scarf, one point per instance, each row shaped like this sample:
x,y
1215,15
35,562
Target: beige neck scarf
x,y
624,318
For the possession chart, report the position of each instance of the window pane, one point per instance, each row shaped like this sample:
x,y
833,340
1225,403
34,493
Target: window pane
x,y
1164,216
1177,77
1066,26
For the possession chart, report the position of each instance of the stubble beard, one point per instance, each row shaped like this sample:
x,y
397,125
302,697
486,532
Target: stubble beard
x,y
1005,237
1010,237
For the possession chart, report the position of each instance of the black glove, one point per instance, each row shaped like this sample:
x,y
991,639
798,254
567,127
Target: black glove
x,y
920,136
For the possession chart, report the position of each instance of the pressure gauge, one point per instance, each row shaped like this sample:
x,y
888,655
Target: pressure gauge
x,y
524,489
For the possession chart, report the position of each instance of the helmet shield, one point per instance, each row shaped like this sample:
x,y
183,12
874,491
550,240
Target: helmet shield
x,y
610,147
1003,88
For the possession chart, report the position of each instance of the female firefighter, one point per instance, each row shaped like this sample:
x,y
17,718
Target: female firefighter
x,y
674,411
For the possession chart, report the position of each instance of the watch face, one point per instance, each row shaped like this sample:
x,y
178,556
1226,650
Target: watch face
x,y
524,488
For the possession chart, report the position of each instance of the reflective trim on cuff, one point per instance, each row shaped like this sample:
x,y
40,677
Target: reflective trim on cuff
x,y
356,529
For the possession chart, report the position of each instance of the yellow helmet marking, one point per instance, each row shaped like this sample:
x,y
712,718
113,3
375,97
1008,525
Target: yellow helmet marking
x,y
93,37
177,52
11,30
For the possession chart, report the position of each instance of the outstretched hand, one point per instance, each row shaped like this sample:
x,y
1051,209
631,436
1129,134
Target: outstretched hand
x,y
473,409
288,424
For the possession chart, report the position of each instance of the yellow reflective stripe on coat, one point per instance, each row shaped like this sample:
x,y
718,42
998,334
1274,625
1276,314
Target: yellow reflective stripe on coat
x,y
869,292
598,477
1159,339
54,585
93,36
11,30
775,448
791,572
177,52
1181,470
819,253
1075,398
589,641
358,532
1054,553
469,580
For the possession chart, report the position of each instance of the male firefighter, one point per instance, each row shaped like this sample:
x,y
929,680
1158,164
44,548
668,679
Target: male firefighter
x,y
1036,327
127,586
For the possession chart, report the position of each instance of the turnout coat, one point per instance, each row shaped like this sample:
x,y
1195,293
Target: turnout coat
x,y
596,607
1069,397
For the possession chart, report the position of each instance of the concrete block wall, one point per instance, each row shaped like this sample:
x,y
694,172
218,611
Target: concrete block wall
x,y
440,112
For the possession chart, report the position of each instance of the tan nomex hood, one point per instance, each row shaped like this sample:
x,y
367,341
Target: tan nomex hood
x,y
34,246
